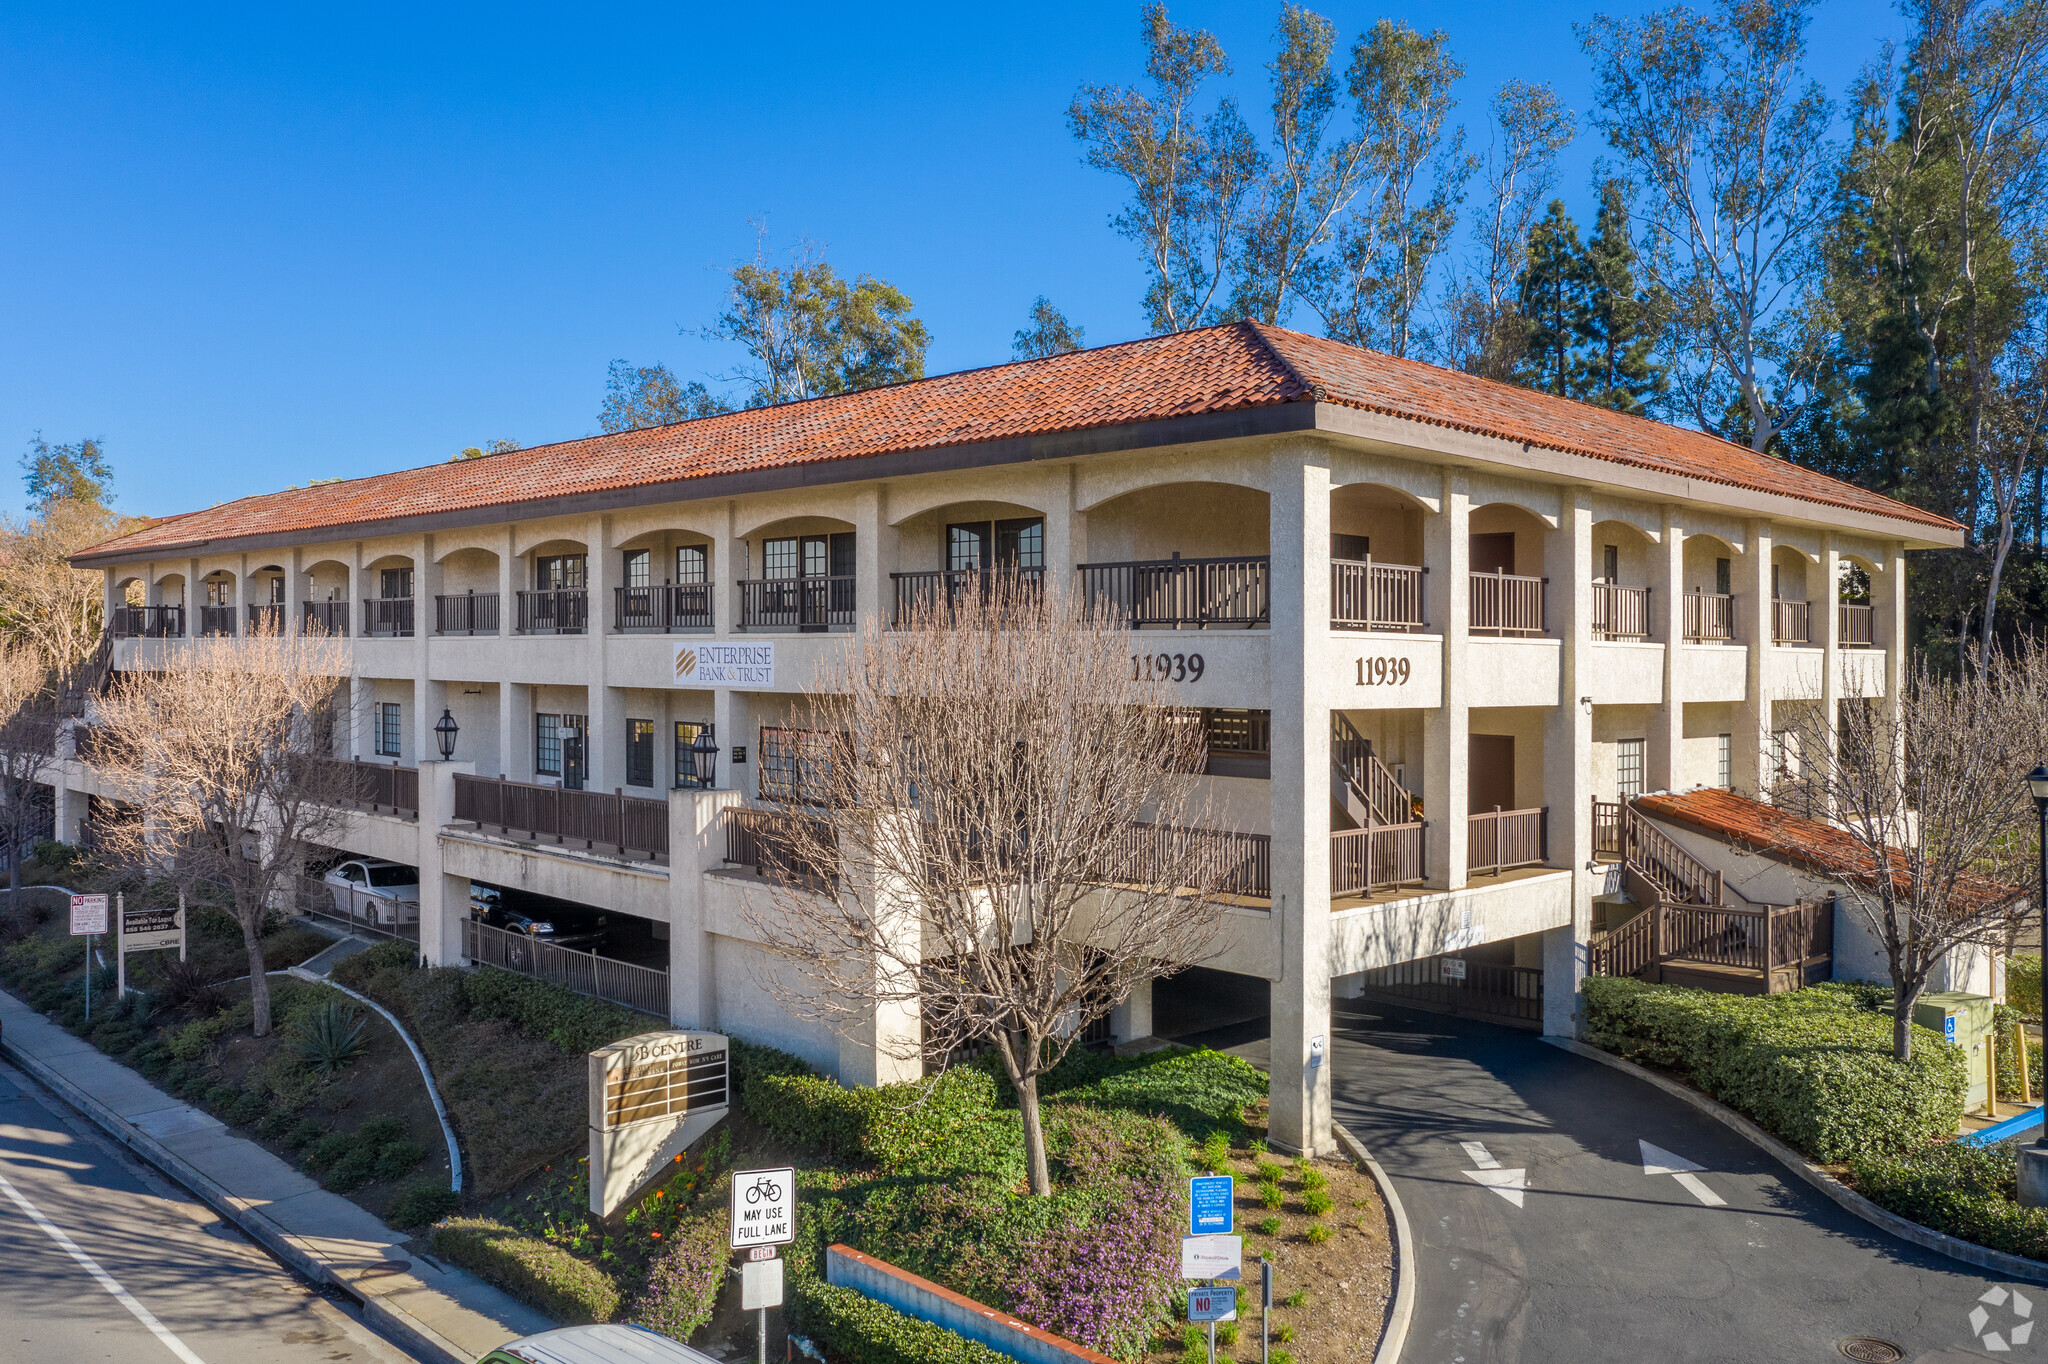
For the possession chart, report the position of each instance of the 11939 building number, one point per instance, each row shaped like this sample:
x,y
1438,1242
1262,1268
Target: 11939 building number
x,y
1166,667
1382,672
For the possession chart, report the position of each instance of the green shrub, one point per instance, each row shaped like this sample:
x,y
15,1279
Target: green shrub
x,y
683,1282
247,1109
536,1273
2005,1020
846,1325
1267,1171
1197,1091
357,971
398,1159
1971,1192
1316,1202
1216,1152
55,857
1311,1178
330,1037
305,1132
1298,1298
422,1203
1267,1226
1270,1195
575,1024
2023,984
1318,1234
327,1151
893,1126
1813,1066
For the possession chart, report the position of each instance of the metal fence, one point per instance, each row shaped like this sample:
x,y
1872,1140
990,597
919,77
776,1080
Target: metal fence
x,y
1620,612
1501,840
1507,994
1709,615
1369,596
644,988
382,787
359,911
1504,604
1181,593
466,613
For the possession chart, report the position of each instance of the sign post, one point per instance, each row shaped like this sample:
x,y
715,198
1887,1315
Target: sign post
x,y
88,918
145,930
1265,1311
1210,1251
763,1217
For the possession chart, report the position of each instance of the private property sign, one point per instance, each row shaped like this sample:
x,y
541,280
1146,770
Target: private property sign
x,y
725,665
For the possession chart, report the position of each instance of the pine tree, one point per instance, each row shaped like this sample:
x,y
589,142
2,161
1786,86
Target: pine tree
x,y
1620,325
1553,303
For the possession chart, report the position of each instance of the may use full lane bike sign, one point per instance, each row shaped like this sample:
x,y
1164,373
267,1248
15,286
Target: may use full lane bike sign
x,y
763,1208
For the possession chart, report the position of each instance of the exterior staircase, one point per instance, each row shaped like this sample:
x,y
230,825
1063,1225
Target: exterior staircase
x,y
1685,932
1364,792
81,683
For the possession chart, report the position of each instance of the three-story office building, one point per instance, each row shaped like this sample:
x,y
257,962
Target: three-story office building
x,y
1429,620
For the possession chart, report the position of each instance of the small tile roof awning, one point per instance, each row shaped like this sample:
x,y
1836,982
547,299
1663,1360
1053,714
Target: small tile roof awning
x,y
1238,367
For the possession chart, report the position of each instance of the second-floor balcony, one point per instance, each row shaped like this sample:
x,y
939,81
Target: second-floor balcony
x,y
1708,616
324,618
387,617
553,611
1790,622
216,620
1620,613
803,604
1184,594
147,622
1856,621
466,613
266,618
666,609
1501,840
940,590
1507,604
1372,596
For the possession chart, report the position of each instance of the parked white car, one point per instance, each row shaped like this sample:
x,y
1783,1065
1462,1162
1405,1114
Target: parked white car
x,y
384,892
612,1344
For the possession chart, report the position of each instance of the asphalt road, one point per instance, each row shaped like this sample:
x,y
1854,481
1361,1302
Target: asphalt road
x,y
1603,1261
168,1283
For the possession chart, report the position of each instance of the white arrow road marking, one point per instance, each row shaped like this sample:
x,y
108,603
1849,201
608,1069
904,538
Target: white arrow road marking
x,y
1479,1155
1658,1161
1509,1184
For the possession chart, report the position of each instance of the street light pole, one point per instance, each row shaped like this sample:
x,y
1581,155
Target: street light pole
x,y
2033,1160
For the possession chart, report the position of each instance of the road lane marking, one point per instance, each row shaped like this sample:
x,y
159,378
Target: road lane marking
x,y
1658,1161
1479,1156
105,1280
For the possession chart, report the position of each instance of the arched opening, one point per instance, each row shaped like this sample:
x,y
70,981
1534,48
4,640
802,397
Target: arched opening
x,y
217,603
1178,556
1621,581
1708,572
557,602
1376,580
664,583
806,577
389,613
326,608
1856,604
165,616
467,602
1506,546
960,548
265,607
1791,610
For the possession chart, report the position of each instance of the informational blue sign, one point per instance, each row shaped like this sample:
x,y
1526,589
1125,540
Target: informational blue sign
x,y
1210,1204
1948,1028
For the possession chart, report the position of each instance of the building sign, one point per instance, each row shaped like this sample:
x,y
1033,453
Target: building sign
x,y
725,665
763,1208
651,1098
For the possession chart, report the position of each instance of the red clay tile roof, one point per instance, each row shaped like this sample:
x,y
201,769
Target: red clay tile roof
x,y
1809,843
1218,369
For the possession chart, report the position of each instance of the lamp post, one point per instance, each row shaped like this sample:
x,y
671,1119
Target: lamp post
x,y
705,749
2034,1159
445,730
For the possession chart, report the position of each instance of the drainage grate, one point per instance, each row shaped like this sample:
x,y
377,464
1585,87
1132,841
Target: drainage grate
x,y
1870,1350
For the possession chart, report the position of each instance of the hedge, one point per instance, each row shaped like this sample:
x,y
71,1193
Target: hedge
x,y
945,1120
531,1270
1970,1192
2023,984
1813,1066
847,1325
1199,1091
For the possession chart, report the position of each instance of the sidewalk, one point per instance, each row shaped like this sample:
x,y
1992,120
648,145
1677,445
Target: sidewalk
x,y
440,1314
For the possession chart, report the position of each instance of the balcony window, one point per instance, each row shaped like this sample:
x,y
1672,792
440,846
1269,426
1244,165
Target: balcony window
x,y
1721,577
1018,543
796,764
1355,548
394,583
1610,564
636,568
1628,768
808,556
390,729
692,564
554,572
220,593
686,752
640,752
547,745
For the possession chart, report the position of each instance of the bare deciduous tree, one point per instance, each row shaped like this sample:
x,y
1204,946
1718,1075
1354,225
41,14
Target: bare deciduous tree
x,y
1008,812
220,756
46,605
1929,789
28,735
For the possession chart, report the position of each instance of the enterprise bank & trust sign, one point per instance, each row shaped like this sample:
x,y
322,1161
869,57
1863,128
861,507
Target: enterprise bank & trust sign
x,y
725,665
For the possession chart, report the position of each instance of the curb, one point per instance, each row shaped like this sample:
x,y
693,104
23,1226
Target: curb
x,y
1402,1309
1968,1252
394,1321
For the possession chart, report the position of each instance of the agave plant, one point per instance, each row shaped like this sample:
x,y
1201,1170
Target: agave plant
x,y
331,1036
188,986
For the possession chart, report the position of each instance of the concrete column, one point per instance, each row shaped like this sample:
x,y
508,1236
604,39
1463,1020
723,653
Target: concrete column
x,y
508,583
696,843
728,566
871,556
1132,1019
298,590
604,741
1750,744
1568,757
1299,539
515,730
1446,731
1066,533
1890,625
152,590
1827,601
1667,608
444,899
886,1046
70,806
429,697
732,722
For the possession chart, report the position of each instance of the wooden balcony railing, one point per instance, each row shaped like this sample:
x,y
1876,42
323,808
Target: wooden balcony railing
x,y
761,839
1502,840
619,821
1856,622
266,618
466,613
1607,833
1504,604
1182,593
554,611
148,622
1365,860
1233,863
808,604
1369,596
1789,622
924,592
1620,612
387,617
379,786
670,607
216,620
324,618
1709,615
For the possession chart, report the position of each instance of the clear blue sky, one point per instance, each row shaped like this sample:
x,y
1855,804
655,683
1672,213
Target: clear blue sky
x,y
255,245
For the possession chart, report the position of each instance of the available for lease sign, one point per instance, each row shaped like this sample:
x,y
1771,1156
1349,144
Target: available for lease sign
x,y
725,665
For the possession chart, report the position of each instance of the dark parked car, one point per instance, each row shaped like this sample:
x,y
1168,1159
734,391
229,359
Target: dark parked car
x,y
537,917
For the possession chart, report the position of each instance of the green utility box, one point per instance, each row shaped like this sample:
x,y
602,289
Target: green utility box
x,y
1965,1021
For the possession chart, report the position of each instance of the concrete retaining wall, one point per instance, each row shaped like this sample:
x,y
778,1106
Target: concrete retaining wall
x,y
925,1300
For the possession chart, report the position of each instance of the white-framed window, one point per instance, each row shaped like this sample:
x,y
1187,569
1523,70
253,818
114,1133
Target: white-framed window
x,y
1628,768
390,729
691,564
1724,761
636,567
